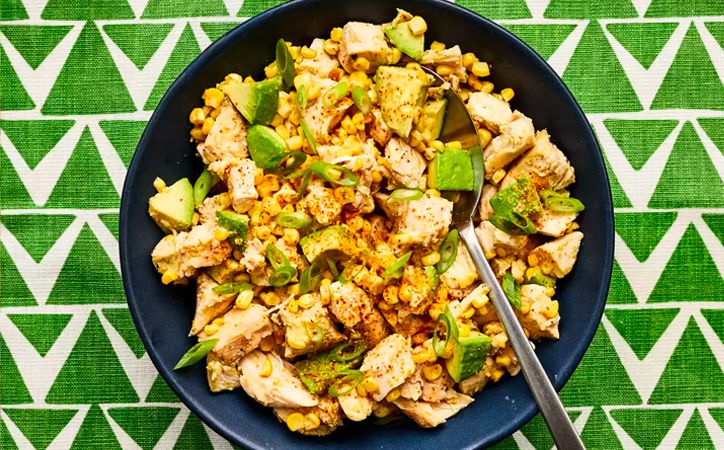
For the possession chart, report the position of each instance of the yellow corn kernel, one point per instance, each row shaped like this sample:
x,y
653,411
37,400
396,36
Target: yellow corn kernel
x,y
361,64
290,236
443,70
433,192
195,219
432,372
234,77
507,94
311,421
479,301
197,116
359,78
524,308
493,328
282,131
370,384
437,145
359,121
400,239
390,295
550,292
552,310
435,310
213,97
197,134
484,136
336,34
503,360
532,260
169,277
308,53
296,343
344,194
271,299
437,46
454,144
293,306
294,143
405,293
218,321
313,92
208,123
417,25
487,87
248,79
431,259
464,329
271,70
324,292
244,299
480,69
469,59
348,126
498,96
498,175
215,113
267,344
468,313
483,310
497,374
396,56
211,328
159,184
295,421
376,176
393,395
381,410
420,357
262,232
307,301
331,47
419,338
221,234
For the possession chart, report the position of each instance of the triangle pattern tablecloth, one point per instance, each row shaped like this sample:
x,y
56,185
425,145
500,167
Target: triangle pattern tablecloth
x,y
79,80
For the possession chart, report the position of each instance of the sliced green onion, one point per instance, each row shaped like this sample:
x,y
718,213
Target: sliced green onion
x,y
302,97
303,186
203,185
335,94
309,136
335,174
345,381
231,288
333,268
282,275
293,219
311,276
448,251
285,62
513,223
285,168
396,267
447,325
347,351
195,353
390,420
511,289
275,256
406,194
560,203
361,99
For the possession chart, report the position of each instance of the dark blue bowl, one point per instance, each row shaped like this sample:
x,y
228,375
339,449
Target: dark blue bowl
x,y
163,314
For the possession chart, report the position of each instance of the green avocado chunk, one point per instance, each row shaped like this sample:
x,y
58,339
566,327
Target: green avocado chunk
x,y
521,197
336,241
401,37
236,223
536,276
257,101
266,147
173,207
451,170
468,356
432,119
402,93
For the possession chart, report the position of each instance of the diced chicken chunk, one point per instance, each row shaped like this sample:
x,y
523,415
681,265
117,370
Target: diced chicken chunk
x,y
241,185
417,387
457,307
321,204
406,164
390,363
557,257
545,165
227,138
451,57
355,406
321,120
209,207
322,64
308,329
221,376
209,304
425,221
280,389
553,223
462,273
537,321
429,414
494,240
420,287
187,251
328,410
485,210
379,130
242,331
353,307
490,111
515,138
364,40
253,256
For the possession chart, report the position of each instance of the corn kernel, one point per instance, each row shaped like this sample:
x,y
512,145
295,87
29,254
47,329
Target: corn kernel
x,y
420,357
307,301
443,70
507,94
361,64
235,77
206,127
468,313
215,113
197,134
498,175
464,329
295,421
344,194
197,116
487,87
169,277
497,374
480,300
221,234
308,53
417,25
218,321
271,70
248,79
524,308
484,136
550,292
454,144
396,56
469,59
267,344
503,360
359,78
431,259
435,310
211,328
331,47
433,372
480,69
437,46
400,239
195,219
159,184
499,340
532,260
336,34
393,395
213,97
437,145
551,310
290,236
381,410
405,293
433,192
370,384
419,338
271,299
296,344
313,92
293,306
294,143
244,299
493,328
311,421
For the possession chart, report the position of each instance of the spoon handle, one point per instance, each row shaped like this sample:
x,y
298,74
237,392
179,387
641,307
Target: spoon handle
x,y
559,424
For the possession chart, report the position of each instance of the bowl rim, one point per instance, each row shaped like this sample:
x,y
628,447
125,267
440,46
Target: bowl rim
x,y
201,61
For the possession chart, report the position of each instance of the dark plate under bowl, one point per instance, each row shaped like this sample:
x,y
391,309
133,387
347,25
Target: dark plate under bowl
x,y
163,314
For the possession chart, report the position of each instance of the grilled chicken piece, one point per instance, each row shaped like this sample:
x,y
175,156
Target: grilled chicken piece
x,y
556,258
240,180
545,165
553,223
355,406
253,257
485,210
425,221
490,111
364,40
242,331
462,273
328,410
353,307
493,239
227,138
417,387
281,389
406,164
515,138
451,57
221,376
321,120
187,251
390,363
321,204
379,131
208,208
311,327
322,64
429,414
537,302
209,304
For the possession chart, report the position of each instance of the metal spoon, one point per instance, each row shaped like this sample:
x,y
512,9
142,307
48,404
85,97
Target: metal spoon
x,y
459,126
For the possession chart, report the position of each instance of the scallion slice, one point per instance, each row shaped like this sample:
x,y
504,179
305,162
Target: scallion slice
x,y
335,94
448,251
231,288
396,267
285,62
275,256
333,268
560,203
282,275
195,353
293,219
311,276
345,380
335,174
513,223
511,289
203,185
309,136
289,162
406,194
302,97
361,99
445,324
347,351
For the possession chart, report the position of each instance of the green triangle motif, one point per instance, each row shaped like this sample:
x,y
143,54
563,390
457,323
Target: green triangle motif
x,y
689,180
138,41
639,139
35,42
690,257
88,265
33,139
214,30
12,389
692,81
647,427
718,415
692,374
596,77
87,78
498,9
545,39
145,425
13,10
14,290
592,383
124,136
160,392
715,317
641,328
121,320
6,440
41,330
85,376
95,432
574,9
715,222
185,51
620,199
598,432
695,435
716,29
85,182
537,433
689,8
14,95
506,444
252,8
642,232
643,40
87,10
193,436
621,292
714,128
37,232
53,421
164,9
12,190
110,220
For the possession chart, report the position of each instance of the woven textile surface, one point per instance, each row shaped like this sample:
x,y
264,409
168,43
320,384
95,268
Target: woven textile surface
x,y
80,78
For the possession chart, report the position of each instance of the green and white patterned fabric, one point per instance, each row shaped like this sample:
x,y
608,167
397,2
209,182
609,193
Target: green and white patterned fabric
x,y
80,78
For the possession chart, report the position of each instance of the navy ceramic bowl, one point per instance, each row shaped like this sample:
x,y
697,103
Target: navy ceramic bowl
x,y
163,314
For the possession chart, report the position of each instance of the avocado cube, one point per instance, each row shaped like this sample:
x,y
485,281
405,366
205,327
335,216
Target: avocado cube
x,y
468,356
257,102
236,223
432,119
521,197
173,207
266,147
401,37
402,93
451,170
337,241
